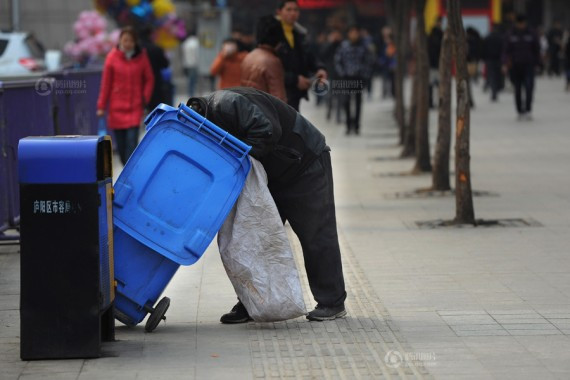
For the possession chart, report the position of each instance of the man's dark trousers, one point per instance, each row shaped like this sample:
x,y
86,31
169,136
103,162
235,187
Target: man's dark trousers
x,y
494,77
353,123
307,202
523,75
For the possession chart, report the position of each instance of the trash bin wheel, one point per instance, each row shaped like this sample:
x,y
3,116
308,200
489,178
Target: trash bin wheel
x,y
157,314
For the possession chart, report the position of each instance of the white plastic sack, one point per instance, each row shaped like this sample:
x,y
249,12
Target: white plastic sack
x,y
257,255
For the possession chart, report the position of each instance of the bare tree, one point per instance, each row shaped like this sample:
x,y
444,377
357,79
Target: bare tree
x,y
401,33
464,213
423,162
440,174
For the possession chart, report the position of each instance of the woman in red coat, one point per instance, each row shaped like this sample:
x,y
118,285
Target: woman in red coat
x,y
126,88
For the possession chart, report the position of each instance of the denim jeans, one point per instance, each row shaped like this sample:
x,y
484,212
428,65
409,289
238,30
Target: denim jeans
x,y
127,140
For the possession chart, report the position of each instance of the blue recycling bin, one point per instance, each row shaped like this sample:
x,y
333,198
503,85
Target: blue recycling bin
x,y
170,201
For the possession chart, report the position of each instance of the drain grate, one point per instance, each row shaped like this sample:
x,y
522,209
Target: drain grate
x,y
508,222
426,193
389,158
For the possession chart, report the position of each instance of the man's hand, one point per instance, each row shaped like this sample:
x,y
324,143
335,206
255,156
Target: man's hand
x,y
303,83
100,113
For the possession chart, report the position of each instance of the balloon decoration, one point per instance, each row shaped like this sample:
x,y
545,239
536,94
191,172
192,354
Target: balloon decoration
x,y
91,38
169,29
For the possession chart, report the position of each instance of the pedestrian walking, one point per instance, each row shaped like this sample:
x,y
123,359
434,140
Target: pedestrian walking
x,y
227,64
158,62
543,43
493,54
521,56
435,39
387,61
474,44
567,64
262,68
555,48
190,56
126,89
353,63
300,64
334,39
369,42
297,161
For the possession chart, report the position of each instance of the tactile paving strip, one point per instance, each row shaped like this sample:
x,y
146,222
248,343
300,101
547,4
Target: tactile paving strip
x,y
363,345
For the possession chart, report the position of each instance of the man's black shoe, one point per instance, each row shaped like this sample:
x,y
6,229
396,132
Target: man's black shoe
x,y
238,315
325,313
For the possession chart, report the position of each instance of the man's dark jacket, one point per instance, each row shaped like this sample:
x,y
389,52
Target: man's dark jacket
x,y
434,46
493,46
282,140
522,48
158,62
297,61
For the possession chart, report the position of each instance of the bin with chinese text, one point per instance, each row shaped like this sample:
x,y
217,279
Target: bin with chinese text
x,y
67,274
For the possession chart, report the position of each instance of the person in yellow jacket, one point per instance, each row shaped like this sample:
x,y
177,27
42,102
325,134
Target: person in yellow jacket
x,y
299,63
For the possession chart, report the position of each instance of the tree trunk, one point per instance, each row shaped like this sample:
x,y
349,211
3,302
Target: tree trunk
x,y
423,162
409,149
440,175
401,31
464,213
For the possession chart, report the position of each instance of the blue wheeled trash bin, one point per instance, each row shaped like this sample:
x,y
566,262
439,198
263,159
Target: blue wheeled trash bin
x,y
170,201
66,256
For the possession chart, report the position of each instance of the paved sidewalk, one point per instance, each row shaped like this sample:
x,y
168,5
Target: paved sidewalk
x,y
454,303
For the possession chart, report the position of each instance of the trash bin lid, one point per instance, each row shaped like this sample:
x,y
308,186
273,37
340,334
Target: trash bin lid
x,y
180,183
64,159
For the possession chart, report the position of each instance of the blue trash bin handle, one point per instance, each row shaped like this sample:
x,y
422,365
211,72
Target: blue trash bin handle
x,y
212,131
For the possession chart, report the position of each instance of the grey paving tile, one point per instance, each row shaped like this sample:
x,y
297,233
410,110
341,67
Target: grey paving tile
x,y
104,374
479,319
524,373
53,376
534,332
461,312
477,327
497,332
53,366
508,320
528,326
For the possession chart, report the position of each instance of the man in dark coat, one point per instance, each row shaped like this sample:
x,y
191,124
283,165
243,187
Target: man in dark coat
x,y
158,62
493,53
299,63
298,165
567,55
435,39
353,63
554,48
521,56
